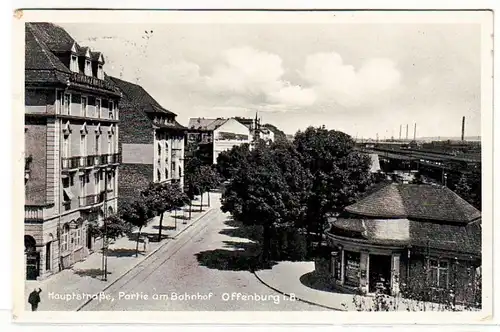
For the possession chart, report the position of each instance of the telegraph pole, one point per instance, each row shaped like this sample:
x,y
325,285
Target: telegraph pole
x,y
105,235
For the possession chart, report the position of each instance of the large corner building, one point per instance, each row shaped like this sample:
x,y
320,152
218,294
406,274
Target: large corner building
x,y
71,148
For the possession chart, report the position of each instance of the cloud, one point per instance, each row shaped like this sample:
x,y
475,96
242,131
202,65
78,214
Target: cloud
x,y
333,80
183,72
257,77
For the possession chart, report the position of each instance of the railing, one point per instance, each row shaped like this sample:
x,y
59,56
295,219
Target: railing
x,y
89,161
33,212
90,200
114,158
71,163
103,159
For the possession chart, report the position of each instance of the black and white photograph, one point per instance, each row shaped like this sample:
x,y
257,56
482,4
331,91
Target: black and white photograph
x,y
273,161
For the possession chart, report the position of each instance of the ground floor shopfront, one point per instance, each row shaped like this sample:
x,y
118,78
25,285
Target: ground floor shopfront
x,y
57,243
355,265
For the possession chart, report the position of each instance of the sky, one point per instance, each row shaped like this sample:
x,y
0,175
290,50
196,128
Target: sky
x,y
363,79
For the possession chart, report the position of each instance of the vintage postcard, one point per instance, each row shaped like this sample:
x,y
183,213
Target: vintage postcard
x,y
243,166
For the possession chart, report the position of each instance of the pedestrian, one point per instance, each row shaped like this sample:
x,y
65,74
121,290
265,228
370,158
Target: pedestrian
x,y
34,299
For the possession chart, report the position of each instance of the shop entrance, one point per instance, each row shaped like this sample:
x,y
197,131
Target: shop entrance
x,y
380,274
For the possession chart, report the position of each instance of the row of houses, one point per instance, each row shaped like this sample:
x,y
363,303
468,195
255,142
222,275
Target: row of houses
x,y
92,142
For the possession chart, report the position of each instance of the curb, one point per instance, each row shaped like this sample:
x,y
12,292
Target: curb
x,y
81,306
297,298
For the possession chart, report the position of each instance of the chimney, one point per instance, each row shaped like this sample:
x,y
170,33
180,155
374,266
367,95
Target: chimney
x,y
415,132
463,128
407,132
400,126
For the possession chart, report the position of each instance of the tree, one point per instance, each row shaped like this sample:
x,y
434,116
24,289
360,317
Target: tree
x,y
207,179
112,227
229,162
269,190
339,174
180,199
160,198
463,189
137,215
278,134
191,175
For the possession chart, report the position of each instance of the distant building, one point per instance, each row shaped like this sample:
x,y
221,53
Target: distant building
x,y
71,147
217,135
151,142
418,240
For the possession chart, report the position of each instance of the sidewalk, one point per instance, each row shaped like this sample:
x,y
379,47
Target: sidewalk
x,y
85,277
290,278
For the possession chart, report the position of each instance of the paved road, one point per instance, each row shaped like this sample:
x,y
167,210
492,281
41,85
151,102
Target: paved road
x,y
206,268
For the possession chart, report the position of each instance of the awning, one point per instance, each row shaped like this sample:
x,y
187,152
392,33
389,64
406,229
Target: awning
x,y
69,195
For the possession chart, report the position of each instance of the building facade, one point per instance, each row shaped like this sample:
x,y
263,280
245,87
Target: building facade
x,y
151,142
420,241
210,137
71,149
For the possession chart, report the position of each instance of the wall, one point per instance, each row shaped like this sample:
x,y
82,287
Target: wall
x,y
138,154
135,126
35,138
133,178
40,100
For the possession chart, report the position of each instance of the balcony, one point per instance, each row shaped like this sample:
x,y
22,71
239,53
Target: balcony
x,y
33,213
89,161
114,158
71,163
91,200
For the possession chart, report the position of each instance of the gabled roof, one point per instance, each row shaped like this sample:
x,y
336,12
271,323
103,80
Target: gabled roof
x,y
199,123
37,55
55,37
416,201
135,94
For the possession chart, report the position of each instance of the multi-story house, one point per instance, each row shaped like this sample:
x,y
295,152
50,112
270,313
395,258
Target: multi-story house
x,y
71,148
151,142
218,135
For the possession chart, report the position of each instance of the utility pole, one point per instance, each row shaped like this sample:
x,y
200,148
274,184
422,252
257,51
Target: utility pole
x,y
105,235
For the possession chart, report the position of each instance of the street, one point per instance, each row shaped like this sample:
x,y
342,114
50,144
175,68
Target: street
x,y
204,269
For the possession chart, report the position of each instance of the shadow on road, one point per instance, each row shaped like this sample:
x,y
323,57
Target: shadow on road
x,y
236,255
93,273
165,228
315,281
122,252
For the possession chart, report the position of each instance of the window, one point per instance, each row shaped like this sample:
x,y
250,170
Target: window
x,y
158,175
64,237
73,66
100,72
110,146
66,146
439,273
166,173
88,67
97,183
82,186
111,110
97,144
98,107
83,145
78,235
67,103
84,106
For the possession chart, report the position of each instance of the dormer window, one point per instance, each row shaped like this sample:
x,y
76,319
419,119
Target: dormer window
x,y
88,67
100,72
73,66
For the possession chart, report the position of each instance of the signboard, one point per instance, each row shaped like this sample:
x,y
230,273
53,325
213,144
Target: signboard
x,y
352,269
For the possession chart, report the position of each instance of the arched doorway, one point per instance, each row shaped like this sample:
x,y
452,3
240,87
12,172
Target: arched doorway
x,y
110,211
48,253
32,258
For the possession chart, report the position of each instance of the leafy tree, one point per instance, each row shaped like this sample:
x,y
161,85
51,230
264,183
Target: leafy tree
x,y
463,189
229,162
208,178
160,198
339,174
278,134
112,227
137,214
180,199
191,180
269,190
